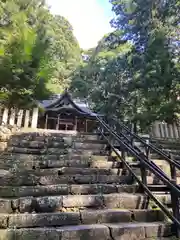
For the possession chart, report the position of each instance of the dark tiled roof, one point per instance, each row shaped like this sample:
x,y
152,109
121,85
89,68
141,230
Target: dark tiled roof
x,y
56,101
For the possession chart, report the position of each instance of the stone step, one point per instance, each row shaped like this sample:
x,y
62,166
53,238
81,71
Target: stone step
x,y
56,151
33,180
37,151
79,217
166,142
166,145
97,201
33,164
54,144
55,136
36,144
65,171
24,157
173,151
116,231
65,189
85,189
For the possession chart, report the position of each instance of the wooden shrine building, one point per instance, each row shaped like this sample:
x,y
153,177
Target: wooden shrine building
x,y
64,113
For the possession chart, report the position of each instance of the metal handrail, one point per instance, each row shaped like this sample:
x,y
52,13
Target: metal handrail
x,y
152,167
145,158
149,165
151,146
160,205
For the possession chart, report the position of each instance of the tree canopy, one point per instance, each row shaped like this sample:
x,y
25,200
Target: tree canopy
x,y
38,51
134,71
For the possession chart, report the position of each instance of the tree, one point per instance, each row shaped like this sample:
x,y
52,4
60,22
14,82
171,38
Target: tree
x,y
134,72
36,50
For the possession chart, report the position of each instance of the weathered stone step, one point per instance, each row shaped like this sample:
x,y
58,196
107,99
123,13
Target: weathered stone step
x,y
58,136
173,151
65,189
167,145
33,180
32,164
58,203
54,144
166,142
116,231
36,144
54,151
156,156
25,157
37,151
79,217
67,171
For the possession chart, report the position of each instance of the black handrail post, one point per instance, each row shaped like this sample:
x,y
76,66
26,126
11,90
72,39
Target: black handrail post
x,y
143,171
147,149
174,198
123,155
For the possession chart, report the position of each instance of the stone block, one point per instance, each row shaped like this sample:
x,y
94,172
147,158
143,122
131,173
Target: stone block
x,y
4,220
83,201
34,234
52,180
18,180
7,191
105,216
157,230
43,220
104,164
49,204
7,234
5,206
68,140
148,215
92,189
127,231
92,179
37,191
85,232
78,163
23,205
127,188
123,201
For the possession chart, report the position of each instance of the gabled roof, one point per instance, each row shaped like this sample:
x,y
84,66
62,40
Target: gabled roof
x,y
65,101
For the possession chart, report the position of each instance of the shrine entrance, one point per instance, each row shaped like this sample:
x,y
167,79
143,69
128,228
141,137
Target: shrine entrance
x,y
68,115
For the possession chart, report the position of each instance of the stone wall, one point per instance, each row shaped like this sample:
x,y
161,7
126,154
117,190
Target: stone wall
x,y
5,134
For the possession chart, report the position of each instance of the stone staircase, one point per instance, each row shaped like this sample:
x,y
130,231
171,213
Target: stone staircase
x,y
65,187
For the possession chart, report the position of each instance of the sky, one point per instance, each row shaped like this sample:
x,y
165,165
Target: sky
x,y
89,18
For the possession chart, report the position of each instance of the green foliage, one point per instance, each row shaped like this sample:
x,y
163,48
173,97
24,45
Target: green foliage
x,y
134,73
37,52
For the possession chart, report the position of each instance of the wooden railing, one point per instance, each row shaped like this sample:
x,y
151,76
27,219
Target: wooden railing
x,y
164,130
19,117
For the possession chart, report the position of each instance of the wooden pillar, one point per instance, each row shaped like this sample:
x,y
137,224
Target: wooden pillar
x,y
34,118
75,124
162,130
46,121
19,119
12,117
26,119
171,135
5,116
57,123
176,135
156,131
86,125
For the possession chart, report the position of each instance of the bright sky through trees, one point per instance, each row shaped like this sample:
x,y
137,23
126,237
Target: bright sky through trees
x,y
89,18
